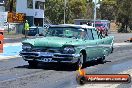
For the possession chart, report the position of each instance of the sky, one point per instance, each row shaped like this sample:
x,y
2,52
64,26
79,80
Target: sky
x,y
96,1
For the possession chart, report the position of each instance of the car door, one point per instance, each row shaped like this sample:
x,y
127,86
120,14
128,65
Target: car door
x,y
91,49
99,47
107,42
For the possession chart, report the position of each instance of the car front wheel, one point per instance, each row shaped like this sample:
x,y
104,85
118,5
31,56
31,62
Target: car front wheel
x,y
80,62
33,64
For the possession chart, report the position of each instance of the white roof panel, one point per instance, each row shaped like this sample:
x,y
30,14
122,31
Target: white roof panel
x,y
82,26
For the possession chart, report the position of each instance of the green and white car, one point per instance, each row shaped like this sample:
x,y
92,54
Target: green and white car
x,y
67,43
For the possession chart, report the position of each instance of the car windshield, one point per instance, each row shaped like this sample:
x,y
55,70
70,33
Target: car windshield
x,y
67,32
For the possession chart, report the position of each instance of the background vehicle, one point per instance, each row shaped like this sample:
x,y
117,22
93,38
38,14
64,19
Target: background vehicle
x,y
101,25
33,30
67,43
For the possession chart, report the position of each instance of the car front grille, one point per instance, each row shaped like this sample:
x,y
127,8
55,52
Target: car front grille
x,y
30,54
51,50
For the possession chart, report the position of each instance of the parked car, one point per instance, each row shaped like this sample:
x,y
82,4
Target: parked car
x,y
67,43
33,30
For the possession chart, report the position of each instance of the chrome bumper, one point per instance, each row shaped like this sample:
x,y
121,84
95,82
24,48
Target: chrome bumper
x,y
56,57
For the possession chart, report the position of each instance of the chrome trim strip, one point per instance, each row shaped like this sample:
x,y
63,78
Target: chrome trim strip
x,y
74,57
40,54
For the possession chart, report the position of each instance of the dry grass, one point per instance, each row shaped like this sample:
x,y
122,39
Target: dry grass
x,y
13,35
113,27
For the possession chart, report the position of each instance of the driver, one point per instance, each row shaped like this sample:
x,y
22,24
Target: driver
x,y
83,34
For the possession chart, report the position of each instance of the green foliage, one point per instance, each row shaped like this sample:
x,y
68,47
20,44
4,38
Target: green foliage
x,y
54,11
119,10
108,9
10,4
124,14
110,2
75,9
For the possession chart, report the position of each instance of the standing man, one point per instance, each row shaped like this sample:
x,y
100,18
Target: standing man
x,y
26,28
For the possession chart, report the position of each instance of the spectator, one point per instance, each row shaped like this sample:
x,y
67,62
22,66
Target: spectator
x,y
26,28
83,34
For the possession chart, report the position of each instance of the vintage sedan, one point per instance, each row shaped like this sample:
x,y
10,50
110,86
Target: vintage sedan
x,y
67,43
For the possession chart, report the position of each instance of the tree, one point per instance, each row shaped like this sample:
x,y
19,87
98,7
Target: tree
x,y
119,10
54,11
90,10
10,5
79,9
124,14
108,9
75,9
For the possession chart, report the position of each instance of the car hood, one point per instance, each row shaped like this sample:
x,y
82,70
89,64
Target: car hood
x,y
53,41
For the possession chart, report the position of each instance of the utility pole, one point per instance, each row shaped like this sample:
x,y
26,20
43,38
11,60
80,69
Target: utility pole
x,y
64,11
95,3
44,15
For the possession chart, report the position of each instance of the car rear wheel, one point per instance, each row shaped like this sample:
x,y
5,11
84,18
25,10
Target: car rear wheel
x,y
33,64
112,49
101,60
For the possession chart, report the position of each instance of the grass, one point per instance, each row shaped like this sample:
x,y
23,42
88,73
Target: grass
x,y
12,35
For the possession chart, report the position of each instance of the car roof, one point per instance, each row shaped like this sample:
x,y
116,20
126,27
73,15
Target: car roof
x,y
72,25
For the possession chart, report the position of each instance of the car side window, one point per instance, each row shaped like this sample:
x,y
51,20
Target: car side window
x,y
95,34
90,35
84,34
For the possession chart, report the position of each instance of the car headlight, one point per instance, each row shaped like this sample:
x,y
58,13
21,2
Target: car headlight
x,y
26,47
69,50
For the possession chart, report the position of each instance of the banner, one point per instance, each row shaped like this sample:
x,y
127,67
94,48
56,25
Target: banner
x,y
16,17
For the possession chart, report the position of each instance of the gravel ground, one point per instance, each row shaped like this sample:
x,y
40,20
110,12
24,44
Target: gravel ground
x,y
121,37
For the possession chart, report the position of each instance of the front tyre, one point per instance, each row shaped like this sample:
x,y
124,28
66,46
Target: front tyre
x,y
112,49
80,62
33,64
